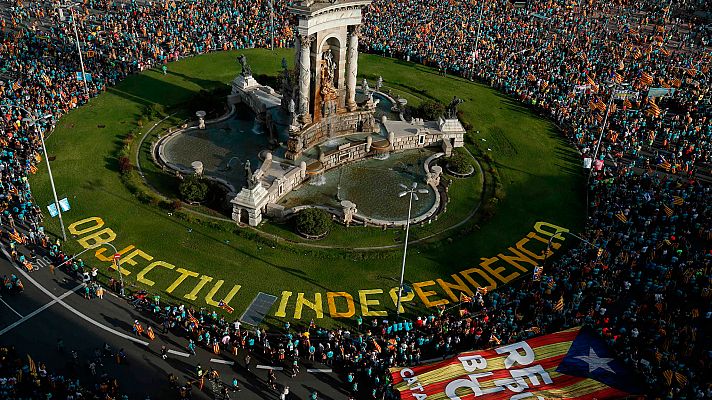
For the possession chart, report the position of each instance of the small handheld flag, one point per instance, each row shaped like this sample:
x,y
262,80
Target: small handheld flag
x,y
668,210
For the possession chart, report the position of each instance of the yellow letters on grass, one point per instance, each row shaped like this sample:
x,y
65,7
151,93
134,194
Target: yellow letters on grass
x,y
539,227
404,297
351,308
98,223
103,236
459,285
184,273
466,273
365,302
424,295
141,276
209,298
193,295
100,253
316,305
497,271
282,309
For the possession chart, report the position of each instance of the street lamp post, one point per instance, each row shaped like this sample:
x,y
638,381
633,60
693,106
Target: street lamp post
x,y
271,24
475,55
34,122
76,37
412,191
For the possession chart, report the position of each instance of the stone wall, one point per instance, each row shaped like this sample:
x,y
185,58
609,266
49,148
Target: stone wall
x,y
330,127
354,152
427,139
293,178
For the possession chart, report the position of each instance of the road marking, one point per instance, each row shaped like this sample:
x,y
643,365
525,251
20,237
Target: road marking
x,y
65,305
178,353
13,310
318,370
219,361
37,311
269,367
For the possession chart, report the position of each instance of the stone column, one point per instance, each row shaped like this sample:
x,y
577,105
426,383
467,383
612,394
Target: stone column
x,y
351,72
304,76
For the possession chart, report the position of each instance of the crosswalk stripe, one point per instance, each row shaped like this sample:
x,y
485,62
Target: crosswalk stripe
x,y
43,262
269,367
317,370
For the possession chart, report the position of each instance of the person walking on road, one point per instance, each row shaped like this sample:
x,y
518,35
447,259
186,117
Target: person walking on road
x,y
137,328
191,347
272,380
198,371
247,361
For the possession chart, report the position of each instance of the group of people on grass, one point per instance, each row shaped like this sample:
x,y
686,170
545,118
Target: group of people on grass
x,y
645,284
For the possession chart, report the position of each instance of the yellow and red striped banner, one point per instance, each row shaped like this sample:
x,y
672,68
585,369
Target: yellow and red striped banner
x,y
572,364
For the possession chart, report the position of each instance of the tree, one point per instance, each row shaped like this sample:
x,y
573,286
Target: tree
x,y
193,189
313,222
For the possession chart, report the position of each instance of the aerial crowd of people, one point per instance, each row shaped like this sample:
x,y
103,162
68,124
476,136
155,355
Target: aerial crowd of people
x,y
646,283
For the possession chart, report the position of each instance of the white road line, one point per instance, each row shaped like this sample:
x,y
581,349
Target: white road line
x,y
318,370
219,361
67,306
178,353
8,306
269,367
37,311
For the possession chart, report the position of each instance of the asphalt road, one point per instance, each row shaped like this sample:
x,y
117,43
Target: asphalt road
x,y
52,308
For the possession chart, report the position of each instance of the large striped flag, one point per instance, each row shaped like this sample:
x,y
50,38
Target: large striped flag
x,y
573,364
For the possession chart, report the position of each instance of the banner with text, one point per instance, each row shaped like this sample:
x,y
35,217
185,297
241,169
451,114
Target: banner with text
x,y
572,364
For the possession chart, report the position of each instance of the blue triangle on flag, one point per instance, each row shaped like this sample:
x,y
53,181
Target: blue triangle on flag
x,y
590,357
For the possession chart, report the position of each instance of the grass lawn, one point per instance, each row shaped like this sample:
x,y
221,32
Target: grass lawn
x,y
539,172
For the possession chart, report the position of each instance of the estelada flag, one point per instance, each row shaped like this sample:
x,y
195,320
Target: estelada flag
x,y
573,364
225,307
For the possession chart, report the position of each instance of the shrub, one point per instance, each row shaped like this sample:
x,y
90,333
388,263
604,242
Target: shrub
x,y
175,205
499,192
429,110
125,165
465,124
459,163
313,221
489,208
193,189
153,111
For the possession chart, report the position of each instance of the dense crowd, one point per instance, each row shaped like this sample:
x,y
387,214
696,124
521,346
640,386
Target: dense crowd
x,y
646,286
23,378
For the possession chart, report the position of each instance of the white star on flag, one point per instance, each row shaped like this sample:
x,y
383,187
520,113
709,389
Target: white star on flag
x,y
595,362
